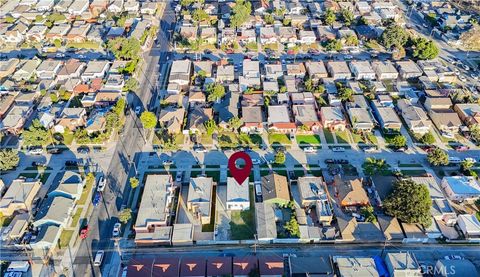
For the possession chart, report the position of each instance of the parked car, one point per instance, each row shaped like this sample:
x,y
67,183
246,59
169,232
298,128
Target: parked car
x,y
54,150
101,184
138,109
309,149
167,162
116,229
329,161
338,149
73,163
470,160
256,161
453,257
454,160
99,258
462,148
340,161
35,151
179,177
83,150
97,199
84,231
38,164
199,149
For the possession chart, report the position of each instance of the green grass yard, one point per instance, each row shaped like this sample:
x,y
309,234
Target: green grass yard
x,y
65,237
309,139
281,139
76,217
343,136
85,192
242,224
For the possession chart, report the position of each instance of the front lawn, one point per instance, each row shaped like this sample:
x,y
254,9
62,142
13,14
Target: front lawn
x,y
256,139
328,136
342,136
206,139
85,192
83,45
227,140
76,217
309,139
65,237
281,139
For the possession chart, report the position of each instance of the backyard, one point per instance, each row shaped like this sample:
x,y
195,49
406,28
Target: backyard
x,y
242,224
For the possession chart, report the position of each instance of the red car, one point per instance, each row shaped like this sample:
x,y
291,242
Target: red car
x,y
84,232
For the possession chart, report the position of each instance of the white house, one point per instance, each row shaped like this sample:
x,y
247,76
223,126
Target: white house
x,y
461,188
469,225
237,195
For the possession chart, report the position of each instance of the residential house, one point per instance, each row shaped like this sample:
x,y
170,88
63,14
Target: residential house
x,y
131,6
171,119
58,32
189,32
62,6
180,72
362,70
253,120
356,266
78,33
228,35
307,37
339,70
287,35
360,119
461,188
271,265
182,234
115,7
251,75
402,264
7,67
447,121
70,186
267,35
247,36
26,70
15,118
306,115
279,119
95,69
351,192
266,229
6,102
296,70
199,199
197,118
415,117
203,66
48,69
273,71
238,195
470,226
325,33
55,211
387,117
408,69
275,189
469,113
148,8
391,228
114,82
19,196
316,70
78,7
156,205
312,189
71,69
385,70
298,20
225,73
208,35
71,118
333,118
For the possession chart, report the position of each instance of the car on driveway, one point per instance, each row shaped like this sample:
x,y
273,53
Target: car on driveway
x,y
116,229
167,162
256,161
38,164
309,149
83,150
35,151
54,150
102,182
97,199
179,177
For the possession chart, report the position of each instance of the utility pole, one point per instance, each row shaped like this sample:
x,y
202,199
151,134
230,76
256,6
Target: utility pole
x,y
255,244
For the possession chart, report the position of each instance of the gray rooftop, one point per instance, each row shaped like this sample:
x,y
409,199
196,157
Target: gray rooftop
x,y
237,192
311,188
54,210
157,195
265,220
200,193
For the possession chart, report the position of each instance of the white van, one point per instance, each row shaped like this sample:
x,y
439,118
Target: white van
x,y
18,266
454,160
99,258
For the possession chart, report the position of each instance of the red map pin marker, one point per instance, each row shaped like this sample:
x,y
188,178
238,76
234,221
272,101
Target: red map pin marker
x,y
240,174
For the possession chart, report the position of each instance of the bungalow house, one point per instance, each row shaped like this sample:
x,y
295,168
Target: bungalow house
x,y
247,36
468,113
415,117
6,102
225,73
360,119
470,226
78,7
363,7
55,211
78,33
171,119
307,37
48,69
266,230
62,6
402,264
250,100
287,35
148,8
316,70
339,70
71,118
408,69
362,70
306,115
36,33
115,7
238,196
298,20
206,67
326,33
70,186
385,70
7,67
350,191
197,118
446,121
273,71
279,119
131,7
312,189
302,98
296,70
58,32
268,35
156,204
271,266
251,75
208,35
16,117
461,188
228,35
275,189
390,227
199,199
387,117
26,70
114,82
95,69
71,69
19,196
189,32
333,118
253,120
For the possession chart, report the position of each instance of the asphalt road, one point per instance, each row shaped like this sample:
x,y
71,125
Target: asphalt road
x,y
130,143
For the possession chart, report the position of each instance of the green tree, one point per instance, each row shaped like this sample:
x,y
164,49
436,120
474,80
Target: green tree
x,y
269,18
119,106
210,126
240,13
475,132
186,3
200,15
369,213
424,49
131,85
280,12
292,227
345,93
215,92
351,40
9,159
308,84
235,123
35,135
280,157
133,182
287,21
329,17
347,17
410,202
57,43
466,165
373,166
333,45
125,215
398,141
438,157
124,48
394,35
428,138
320,89
148,119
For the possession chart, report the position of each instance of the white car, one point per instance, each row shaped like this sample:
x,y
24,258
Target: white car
x,y
462,78
99,258
35,151
168,162
338,149
256,161
470,160
101,184
116,229
138,109
309,150
453,257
